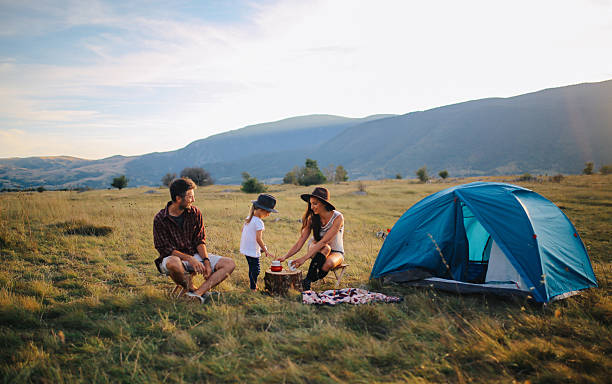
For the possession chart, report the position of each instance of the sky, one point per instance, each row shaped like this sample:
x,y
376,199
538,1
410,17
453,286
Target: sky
x,y
93,79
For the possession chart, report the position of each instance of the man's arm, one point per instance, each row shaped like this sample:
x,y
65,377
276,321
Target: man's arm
x,y
199,235
161,240
207,270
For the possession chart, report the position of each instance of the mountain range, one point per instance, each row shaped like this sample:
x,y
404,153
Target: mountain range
x,y
551,131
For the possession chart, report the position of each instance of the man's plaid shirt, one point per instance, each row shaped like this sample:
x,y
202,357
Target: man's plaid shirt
x,y
168,236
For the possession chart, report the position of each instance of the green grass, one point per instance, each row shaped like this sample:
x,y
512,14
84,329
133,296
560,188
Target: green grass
x,y
81,301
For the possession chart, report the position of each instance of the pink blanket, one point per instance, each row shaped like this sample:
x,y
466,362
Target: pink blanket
x,y
346,295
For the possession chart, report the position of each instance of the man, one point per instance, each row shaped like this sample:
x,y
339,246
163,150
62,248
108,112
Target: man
x,y
179,237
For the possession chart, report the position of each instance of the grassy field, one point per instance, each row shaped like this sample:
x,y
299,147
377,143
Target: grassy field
x,y
81,301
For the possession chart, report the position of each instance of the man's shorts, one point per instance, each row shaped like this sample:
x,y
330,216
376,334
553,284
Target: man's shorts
x,y
212,257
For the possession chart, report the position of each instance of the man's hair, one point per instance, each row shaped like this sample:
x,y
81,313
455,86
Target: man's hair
x,y
179,187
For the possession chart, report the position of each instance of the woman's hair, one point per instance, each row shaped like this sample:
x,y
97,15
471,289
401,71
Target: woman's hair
x,y
315,221
248,219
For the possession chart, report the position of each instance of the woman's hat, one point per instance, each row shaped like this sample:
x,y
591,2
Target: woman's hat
x,y
266,202
321,194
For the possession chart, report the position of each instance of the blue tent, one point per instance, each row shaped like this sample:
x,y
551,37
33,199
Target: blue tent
x,y
489,235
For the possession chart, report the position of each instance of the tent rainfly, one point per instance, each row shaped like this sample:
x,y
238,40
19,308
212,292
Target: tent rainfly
x,y
488,237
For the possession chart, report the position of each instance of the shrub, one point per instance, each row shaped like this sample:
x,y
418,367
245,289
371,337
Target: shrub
x,y
606,169
251,184
526,177
308,175
120,182
341,174
292,176
398,176
556,178
588,168
443,174
167,179
361,186
199,175
422,174
40,189
311,174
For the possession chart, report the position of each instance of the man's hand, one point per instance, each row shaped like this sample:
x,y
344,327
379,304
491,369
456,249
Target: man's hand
x,y
198,267
207,269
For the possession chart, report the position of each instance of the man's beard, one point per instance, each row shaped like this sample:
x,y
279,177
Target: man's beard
x,y
184,205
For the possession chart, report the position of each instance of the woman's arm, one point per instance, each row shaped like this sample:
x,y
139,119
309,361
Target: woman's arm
x,y
316,247
299,244
333,231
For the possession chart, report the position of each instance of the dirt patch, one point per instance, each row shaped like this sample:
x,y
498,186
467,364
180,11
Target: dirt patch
x,y
83,228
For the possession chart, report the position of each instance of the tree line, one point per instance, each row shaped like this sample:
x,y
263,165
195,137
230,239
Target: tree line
x,y
309,174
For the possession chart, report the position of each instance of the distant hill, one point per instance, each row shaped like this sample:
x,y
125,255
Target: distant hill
x,y
292,135
551,131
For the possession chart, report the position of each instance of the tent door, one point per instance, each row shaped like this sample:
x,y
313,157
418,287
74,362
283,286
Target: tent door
x,y
479,248
501,271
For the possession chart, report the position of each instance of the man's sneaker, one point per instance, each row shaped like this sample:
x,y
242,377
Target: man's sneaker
x,y
205,297
306,284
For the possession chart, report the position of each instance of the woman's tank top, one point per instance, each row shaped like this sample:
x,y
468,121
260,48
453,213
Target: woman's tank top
x,y
337,243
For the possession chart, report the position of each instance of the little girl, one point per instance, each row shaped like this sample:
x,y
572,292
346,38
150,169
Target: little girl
x,y
251,241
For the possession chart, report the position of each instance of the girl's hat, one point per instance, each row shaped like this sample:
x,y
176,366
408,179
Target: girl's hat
x,y
266,202
321,194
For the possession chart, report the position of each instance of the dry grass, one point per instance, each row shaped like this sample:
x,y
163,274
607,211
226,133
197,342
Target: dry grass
x,y
87,305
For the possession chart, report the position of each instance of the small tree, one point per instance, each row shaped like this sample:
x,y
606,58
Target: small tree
x,y
606,169
341,174
167,179
398,176
251,184
120,182
292,177
199,175
311,174
330,173
588,168
422,174
443,174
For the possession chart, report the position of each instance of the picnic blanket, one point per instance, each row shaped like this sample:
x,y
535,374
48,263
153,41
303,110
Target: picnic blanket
x,y
346,295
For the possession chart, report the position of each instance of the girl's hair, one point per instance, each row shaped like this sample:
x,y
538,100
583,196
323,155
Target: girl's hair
x,y
315,222
248,219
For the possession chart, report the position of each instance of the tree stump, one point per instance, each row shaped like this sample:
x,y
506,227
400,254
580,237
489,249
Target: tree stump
x,y
278,283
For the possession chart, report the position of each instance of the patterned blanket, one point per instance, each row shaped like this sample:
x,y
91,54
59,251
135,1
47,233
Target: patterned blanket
x,y
346,295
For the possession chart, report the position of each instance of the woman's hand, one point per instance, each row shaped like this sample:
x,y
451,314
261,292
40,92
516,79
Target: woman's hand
x,y
268,254
299,262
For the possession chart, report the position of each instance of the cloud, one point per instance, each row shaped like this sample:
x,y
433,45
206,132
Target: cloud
x,y
131,72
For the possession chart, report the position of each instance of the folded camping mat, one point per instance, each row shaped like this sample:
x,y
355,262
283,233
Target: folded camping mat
x,y
346,295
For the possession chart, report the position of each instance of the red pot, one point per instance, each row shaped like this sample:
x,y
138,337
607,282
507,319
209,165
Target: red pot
x,y
276,268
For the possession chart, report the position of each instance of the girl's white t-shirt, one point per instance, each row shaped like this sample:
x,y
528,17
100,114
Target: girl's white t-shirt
x,y
248,240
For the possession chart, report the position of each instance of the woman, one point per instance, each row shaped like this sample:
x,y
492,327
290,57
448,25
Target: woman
x,y
327,226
